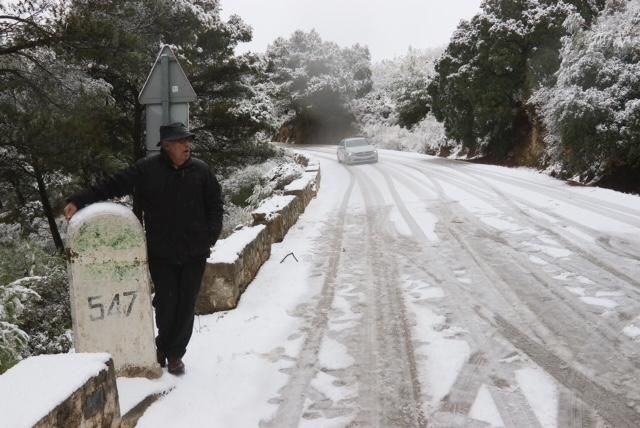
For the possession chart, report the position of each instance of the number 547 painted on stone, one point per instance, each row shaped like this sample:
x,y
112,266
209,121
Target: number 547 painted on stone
x,y
115,308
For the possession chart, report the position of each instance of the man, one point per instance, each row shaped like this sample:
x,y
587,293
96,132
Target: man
x,y
182,209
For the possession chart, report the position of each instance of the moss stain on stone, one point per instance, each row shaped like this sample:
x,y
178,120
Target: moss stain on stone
x,y
117,272
92,237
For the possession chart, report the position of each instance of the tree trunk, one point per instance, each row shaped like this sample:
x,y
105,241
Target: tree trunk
x,y
46,206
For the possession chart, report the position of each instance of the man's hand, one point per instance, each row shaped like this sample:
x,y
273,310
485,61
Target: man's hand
x,y
69,210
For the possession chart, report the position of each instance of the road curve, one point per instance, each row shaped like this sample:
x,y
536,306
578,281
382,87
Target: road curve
x,y
451,287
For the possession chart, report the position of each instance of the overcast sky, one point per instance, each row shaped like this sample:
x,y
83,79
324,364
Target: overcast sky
x,y
387,27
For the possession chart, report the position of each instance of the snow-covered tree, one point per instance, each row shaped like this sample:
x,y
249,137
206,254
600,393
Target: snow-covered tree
x,y
492,65
394,115
592,113
44,132
409,86
398,94
34,309
70,75
13,340
314,83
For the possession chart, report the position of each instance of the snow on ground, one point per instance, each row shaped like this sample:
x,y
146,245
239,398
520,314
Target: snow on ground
x,y
484,409
240,362
131,391
542,394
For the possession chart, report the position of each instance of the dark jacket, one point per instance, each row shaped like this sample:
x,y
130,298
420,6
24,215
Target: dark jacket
x,y
182,207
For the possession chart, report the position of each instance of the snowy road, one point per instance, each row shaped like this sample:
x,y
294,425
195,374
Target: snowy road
x,y
430,292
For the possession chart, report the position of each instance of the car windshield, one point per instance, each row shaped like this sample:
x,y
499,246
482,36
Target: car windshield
x,y
356,143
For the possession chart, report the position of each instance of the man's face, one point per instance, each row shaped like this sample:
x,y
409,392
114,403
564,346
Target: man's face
x,y
178,151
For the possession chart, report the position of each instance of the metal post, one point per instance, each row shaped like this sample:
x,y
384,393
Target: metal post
x,y
164,63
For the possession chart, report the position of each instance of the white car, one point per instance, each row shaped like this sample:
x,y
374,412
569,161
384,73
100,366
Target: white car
x,y
356,150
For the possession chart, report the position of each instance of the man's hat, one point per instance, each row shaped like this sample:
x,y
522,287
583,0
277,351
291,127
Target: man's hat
x,y
174,131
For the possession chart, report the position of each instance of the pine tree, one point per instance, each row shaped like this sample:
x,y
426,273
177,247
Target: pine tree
x,y
314,83
492,66
592,113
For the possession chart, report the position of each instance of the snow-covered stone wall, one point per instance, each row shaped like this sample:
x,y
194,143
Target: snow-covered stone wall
x,y
278,214
303,188
235,261
81,392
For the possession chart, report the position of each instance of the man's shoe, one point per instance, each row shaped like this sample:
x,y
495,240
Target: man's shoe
x,y
176,366
162,358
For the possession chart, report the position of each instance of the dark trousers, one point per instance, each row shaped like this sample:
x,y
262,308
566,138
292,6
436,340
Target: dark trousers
x,y
176,290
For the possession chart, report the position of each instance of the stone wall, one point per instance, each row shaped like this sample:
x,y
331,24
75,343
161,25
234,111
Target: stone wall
x,y
80,391
278,214
228,273
95,404
302,188
225,278
313,169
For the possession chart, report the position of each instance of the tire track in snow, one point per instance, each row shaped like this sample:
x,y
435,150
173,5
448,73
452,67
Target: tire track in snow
x,y
604,275
294,393
390,383
539,223
612,210
625,420
552,312
611,406
389,390
481,367
610,331
573,413
589,398
535,271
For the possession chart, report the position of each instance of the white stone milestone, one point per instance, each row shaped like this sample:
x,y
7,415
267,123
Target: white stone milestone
x,y
110,288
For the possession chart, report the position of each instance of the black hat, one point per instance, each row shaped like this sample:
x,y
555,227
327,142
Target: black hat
x,y
174,131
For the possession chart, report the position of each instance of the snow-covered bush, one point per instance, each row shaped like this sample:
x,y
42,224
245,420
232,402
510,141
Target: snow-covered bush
x,y
394,114
47,320
427,136
313,83
13,340
9,232
283,174
34,302
238,186
245,188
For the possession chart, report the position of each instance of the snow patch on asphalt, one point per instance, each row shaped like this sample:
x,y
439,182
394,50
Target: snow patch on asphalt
x,y
597,301
484,409
333,355
542,394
